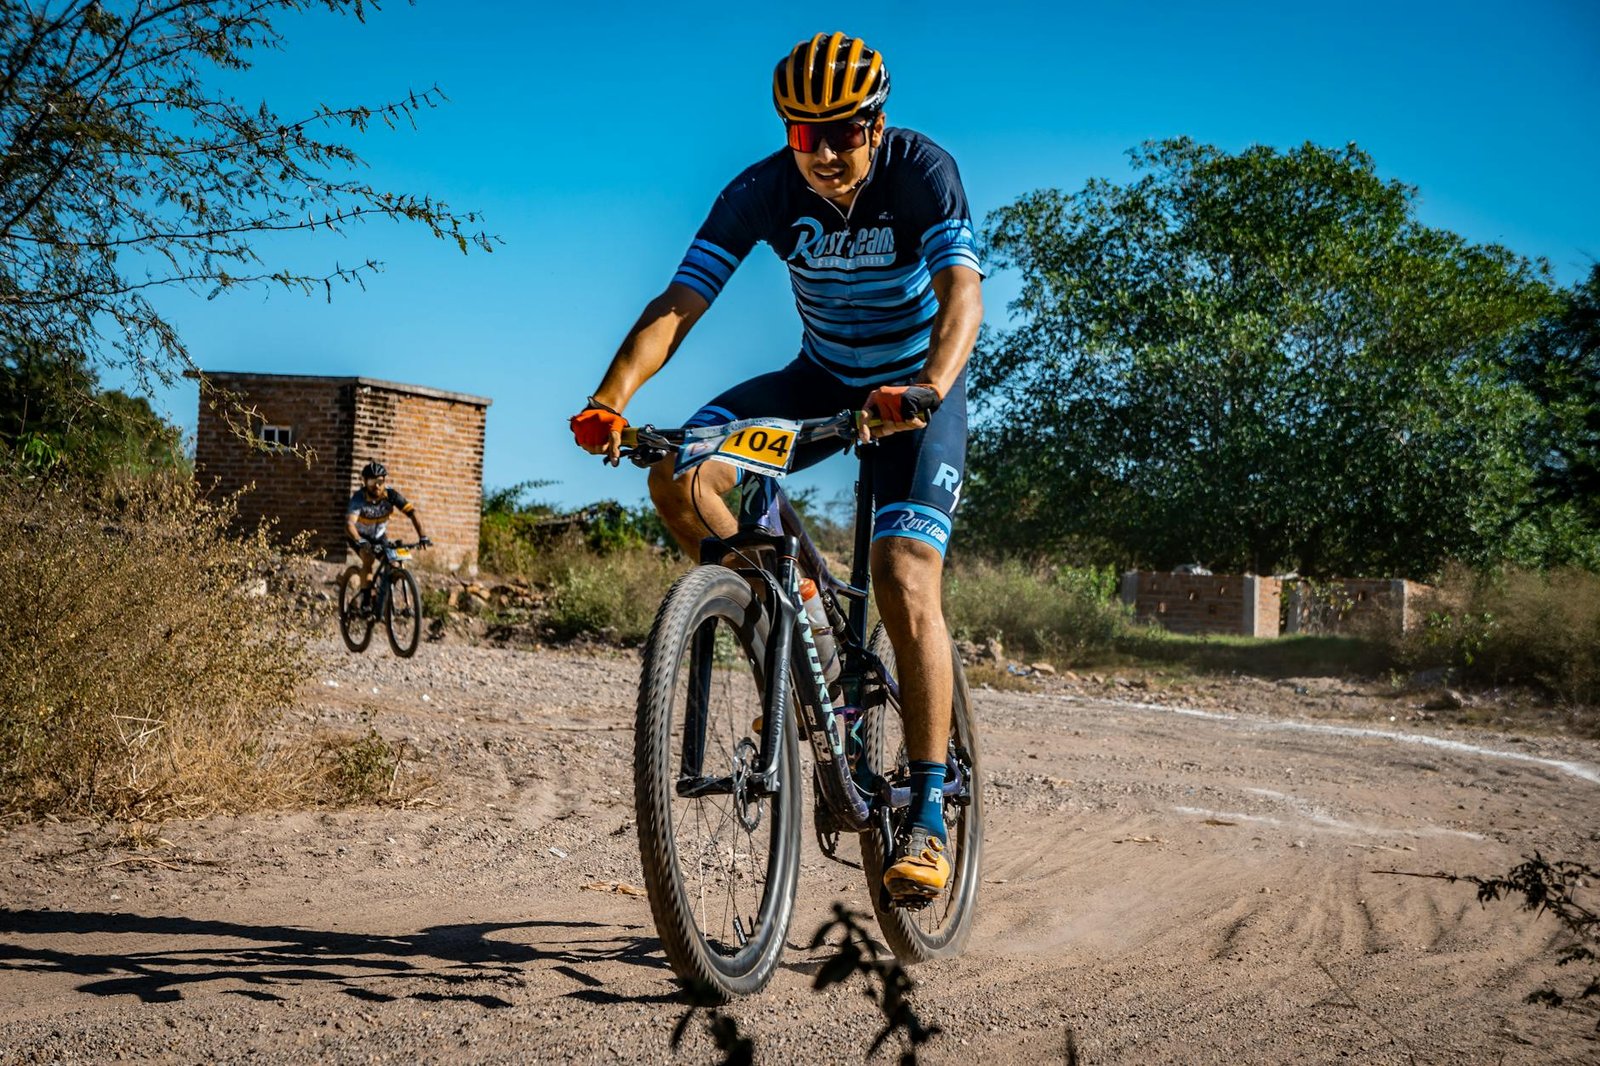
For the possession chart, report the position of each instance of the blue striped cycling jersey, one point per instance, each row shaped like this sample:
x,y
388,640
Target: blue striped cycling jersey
x,y
863,281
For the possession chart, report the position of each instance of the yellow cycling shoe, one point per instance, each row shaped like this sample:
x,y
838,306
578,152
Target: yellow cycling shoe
x,y
920,870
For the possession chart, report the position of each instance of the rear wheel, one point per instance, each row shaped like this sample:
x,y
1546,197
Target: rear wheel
x,y
721,859
940,929
353,628
402,615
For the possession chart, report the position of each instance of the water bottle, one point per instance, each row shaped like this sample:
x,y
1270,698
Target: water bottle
x,y
821,633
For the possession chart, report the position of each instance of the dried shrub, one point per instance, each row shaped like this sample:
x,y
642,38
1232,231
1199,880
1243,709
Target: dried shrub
x,y
336,769
1058,612
1513,627
614,596
146,653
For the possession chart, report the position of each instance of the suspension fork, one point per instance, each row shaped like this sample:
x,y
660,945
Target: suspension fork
x,y
701,651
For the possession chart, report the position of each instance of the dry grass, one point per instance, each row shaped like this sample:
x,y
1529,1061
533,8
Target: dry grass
x,y
614,596
1513,627
337,769
146,655
1064,614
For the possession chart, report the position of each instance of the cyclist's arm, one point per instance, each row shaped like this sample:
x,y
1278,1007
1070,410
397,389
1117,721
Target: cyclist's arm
x,y
416,522
954,332
350,526
955,325
666,320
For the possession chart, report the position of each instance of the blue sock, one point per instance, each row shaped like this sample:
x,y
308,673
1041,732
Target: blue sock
x,y
927,797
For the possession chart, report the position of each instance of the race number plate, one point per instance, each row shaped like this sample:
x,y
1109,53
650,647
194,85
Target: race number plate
x,y
402,553
760,445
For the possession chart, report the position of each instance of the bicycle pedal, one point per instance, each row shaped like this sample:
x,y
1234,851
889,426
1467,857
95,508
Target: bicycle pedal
x,y
911,903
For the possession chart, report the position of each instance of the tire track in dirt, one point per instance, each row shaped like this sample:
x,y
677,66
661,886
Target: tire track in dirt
x,y
1176,885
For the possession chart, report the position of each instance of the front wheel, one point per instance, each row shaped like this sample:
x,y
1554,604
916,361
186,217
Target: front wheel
x,y
721,857
940,929
354,627
402,615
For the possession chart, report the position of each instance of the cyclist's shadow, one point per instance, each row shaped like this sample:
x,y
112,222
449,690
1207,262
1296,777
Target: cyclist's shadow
x,y
446,962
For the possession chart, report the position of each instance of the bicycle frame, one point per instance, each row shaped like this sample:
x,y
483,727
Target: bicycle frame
x,y
768,521
383,576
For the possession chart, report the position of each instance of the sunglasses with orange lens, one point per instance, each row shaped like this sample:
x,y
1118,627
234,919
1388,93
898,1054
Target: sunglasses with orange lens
x,y
842,136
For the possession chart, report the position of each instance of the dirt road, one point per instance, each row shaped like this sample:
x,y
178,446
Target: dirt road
x,y
1176,880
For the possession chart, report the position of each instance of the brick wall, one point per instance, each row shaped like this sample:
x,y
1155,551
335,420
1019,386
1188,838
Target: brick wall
x,y
433,448
1204,603
1351,604
432,442
303,493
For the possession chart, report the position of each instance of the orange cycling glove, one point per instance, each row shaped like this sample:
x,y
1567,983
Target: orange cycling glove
x,y
903,403
592,427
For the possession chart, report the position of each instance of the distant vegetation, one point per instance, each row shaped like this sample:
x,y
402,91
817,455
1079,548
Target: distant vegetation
x,y
1263,361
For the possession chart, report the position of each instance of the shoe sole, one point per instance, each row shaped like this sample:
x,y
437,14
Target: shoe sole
x,y
903,890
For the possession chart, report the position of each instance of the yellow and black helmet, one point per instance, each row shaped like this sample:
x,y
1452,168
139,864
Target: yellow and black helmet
x,y
829,77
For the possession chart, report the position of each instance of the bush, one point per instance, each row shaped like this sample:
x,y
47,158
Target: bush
x,y
1513,626
524,540
1059,611
144,655
613,596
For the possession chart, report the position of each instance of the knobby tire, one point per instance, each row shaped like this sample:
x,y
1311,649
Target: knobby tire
x,y
355,631
685,901
404,602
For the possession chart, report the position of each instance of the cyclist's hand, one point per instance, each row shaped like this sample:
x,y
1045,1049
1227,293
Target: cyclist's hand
x,y
424,542
599,432
898,408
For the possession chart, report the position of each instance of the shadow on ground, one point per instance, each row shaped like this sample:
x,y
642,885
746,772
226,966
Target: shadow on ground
x,y
445,962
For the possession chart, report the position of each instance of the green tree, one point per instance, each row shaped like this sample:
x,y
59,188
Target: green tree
x,y
1560,365
1252,360
57,409
123,172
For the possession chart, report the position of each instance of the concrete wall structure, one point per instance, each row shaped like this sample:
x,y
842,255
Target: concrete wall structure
x,y
1351,604
313,434
1241,604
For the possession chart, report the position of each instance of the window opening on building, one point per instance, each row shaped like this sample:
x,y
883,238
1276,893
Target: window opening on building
x,y
277,436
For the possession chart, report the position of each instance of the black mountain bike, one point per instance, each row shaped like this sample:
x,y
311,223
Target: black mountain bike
x,y
731,683
393,597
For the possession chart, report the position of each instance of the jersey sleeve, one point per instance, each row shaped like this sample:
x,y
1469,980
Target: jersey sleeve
x,y
938,208
399,502
724,239
354,506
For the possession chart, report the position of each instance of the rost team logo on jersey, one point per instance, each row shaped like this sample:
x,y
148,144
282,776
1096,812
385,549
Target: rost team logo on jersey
x,y
869,246
912,522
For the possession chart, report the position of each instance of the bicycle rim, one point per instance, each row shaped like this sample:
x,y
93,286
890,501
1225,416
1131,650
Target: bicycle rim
x,y
402,616
355,631
940,929
721,867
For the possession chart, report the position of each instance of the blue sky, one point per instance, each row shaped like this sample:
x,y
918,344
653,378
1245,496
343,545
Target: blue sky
x,y
594,137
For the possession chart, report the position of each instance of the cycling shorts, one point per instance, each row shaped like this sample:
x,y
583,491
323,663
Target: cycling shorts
x,y
916,475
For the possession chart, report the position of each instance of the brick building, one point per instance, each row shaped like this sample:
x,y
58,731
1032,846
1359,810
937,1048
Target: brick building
x,y
431,441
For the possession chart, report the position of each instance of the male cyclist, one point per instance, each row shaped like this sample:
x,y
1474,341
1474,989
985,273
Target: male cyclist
x,y
874,226
366,521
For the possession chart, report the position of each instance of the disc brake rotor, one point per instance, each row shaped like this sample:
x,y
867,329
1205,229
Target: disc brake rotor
x,y
747,808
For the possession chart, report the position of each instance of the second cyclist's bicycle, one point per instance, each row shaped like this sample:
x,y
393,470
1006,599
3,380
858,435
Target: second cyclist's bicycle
x,y
732,684
393,597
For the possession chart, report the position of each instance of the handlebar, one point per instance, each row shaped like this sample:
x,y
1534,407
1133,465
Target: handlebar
x,y
644,445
